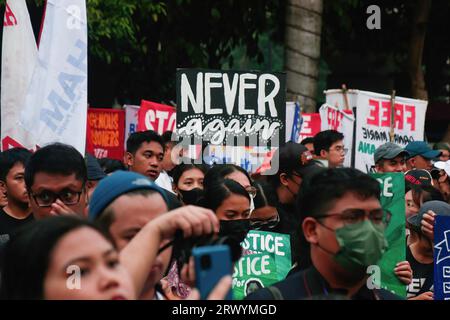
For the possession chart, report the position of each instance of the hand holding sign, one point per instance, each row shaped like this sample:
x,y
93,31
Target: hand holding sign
x,y
428,224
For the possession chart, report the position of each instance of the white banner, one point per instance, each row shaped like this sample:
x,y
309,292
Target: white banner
x,y
131,120
373,117
332,118
56,103
19,56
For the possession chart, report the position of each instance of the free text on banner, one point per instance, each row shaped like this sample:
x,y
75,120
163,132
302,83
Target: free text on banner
x,y
56,103
373,118
333,118
106,133
392,187
157,117
442,258
231,107
266,259
19,57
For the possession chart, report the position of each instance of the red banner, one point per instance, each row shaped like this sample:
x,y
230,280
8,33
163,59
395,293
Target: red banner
x,y
156,117
106,133
310,126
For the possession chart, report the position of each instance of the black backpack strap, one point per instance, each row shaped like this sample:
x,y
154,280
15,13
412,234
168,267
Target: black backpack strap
x,y
276,293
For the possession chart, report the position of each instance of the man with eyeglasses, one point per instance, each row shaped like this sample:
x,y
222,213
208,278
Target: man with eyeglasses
x,y
55,177
343,226
329,148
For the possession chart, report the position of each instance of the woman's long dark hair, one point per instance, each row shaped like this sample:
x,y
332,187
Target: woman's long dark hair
x,y
25,258
220,171
216,192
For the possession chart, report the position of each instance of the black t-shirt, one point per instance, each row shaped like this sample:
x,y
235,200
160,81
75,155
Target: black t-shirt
x,y
310,285
422,280
8,224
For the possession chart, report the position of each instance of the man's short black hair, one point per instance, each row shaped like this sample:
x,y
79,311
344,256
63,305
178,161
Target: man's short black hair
x,y
9,158
319,194
136,139
324,139
167,138
56,158
307,140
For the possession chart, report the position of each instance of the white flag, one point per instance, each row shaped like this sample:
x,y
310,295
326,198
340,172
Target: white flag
x,y
56,103
19,55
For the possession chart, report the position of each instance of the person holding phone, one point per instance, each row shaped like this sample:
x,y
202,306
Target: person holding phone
x,y
74,259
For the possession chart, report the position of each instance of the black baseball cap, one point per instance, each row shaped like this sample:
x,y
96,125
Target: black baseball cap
x,y
295,157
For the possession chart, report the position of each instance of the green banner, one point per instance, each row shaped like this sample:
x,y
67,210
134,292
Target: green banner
x,y
393,200
266,260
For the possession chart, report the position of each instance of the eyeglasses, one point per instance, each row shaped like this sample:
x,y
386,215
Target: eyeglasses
x,y
339,149
351,216
269,223
47,198
251,191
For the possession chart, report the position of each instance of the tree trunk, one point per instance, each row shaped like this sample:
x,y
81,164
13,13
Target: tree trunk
x,y
416,44
302,51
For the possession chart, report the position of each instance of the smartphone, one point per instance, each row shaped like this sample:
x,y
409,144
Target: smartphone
x,y
211,264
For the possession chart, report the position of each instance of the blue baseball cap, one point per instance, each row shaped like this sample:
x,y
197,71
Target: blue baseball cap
x,y
440,208
115,185
421,148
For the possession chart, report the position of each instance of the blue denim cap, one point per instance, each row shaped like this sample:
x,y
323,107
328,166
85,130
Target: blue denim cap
x,y
115,185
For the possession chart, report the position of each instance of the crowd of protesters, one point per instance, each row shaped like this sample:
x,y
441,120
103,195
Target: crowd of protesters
x,y
119,222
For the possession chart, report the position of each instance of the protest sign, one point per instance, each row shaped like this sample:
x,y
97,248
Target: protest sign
x,y
19,57
131,120
310,125
341,101
266,260
157,117
231,107
373,118
249,158
333,118
55,107
373,121
106,131
392,187
442,258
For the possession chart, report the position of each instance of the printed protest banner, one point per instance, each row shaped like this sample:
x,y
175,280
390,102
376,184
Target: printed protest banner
x,y
333,118
373,118
249,158
266,259
19,57
442,258
131,120
231,107
392,187
310,125
106,128
157,117
56,102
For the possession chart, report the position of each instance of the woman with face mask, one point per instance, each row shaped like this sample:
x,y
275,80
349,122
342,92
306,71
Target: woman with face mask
x,y
188,182
66,258
265,216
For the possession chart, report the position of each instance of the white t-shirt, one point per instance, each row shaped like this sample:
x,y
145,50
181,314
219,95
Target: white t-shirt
x,y
164,181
